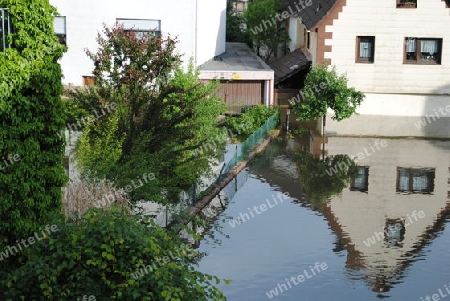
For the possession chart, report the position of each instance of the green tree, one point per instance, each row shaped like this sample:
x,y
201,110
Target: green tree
x,y
31,122
264,26
324,89
111,256
323,178
164,114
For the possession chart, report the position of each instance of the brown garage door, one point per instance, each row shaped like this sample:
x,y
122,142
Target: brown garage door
x,y
237,94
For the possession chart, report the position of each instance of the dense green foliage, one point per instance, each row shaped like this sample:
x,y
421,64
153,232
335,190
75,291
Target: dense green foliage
x,y
31,122
248,122
163,114
105,254
257,17
323,178
324,89
235,31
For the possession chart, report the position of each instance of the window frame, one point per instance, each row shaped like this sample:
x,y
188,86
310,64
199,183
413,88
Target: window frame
x,y
430,173
406,4
358,58
62,37
389,240
418,60
156,32
366,184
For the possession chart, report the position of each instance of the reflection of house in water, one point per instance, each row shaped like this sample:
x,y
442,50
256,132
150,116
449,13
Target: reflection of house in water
x,y
383,226
275,167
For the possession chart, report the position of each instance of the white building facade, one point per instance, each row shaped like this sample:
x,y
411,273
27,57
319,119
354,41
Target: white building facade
x,y
199,26
407,73
396,52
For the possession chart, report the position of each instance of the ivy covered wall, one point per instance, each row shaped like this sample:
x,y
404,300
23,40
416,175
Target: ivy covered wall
x,y
31,122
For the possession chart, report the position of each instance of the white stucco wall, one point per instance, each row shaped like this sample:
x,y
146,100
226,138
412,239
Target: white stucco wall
x,y
296,33
211,29
85,19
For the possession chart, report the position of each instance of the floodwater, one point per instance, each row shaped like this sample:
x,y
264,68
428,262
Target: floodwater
x,y
380,239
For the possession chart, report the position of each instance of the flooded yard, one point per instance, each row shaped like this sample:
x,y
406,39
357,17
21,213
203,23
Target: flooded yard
x,y
383,236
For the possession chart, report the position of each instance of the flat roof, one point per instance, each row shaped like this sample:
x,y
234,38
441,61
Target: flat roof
x,y
237,57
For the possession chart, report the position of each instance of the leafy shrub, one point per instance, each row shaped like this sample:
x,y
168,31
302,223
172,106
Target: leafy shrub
x,y
100,254
249,121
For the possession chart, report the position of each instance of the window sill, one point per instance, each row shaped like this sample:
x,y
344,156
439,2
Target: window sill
x,y
421,63
414,192
360,190
406,6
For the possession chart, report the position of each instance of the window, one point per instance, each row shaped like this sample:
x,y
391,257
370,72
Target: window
x,y
365,49
361,181
5,28
59,25
406,3
411,180
394,231
141,27
422,51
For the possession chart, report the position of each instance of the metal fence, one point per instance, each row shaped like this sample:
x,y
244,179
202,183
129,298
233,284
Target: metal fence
x,y
241,153
197,191
243,150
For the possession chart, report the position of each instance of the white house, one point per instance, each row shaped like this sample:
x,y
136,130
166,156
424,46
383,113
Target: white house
x,y
395,51
199,26
394,208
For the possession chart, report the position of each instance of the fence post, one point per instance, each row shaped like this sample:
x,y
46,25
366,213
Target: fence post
x,y
167,216
221,170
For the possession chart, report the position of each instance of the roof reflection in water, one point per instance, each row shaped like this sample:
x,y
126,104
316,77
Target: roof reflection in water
x,y
357,216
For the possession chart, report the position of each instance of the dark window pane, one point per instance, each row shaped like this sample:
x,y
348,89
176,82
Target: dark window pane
x,y
360,182
403,181
415,180
394,232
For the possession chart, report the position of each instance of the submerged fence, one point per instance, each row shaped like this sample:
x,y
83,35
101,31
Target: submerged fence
x,y
193,195
244,148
